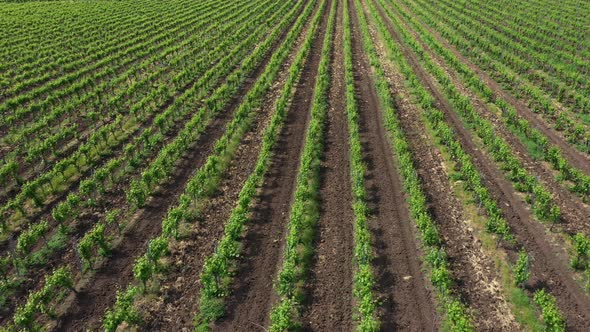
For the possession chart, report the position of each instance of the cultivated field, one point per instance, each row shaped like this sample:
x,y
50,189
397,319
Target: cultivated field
x,y
314,165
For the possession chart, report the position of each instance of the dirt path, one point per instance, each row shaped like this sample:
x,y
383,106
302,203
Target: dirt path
x,y
252,294
330,283
575,157
408,302
550,263
90,303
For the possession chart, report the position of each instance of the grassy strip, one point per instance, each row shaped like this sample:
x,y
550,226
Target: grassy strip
x,y
305,209
525,312
216,276
364,278
457,318
204,182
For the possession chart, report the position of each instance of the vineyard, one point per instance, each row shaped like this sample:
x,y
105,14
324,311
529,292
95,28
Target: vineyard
x,y
307,165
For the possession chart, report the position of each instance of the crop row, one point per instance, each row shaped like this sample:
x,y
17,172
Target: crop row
x,y
28,74
304,213
486,55
435,256
216,276
96,149
500,151
206,179
364,278
551,153
151,140
146,103
495,222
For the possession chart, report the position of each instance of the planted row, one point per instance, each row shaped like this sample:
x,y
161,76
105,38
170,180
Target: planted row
x,y
216,276
364,278
551,153
495,221
539,198
304,214
206,179
92,188
572,124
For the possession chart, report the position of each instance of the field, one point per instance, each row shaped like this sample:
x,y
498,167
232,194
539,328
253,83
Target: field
x,y
313,165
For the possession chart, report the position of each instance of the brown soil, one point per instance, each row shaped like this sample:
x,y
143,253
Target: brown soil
x,y
473,270
330,283
177,302
252,295
549,267
90,303
408,302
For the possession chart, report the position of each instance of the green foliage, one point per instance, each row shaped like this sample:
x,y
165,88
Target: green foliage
x,y
94,240
553,319
143,270
206,179
581,255
364,279
39,302
521,269
123,311
31,236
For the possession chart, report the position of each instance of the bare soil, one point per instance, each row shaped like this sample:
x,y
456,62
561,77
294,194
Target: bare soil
x,y
407,300
330,299
252,296
175,305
